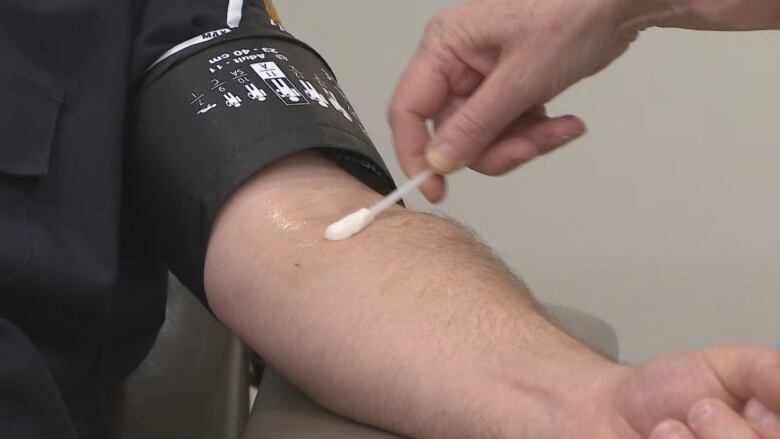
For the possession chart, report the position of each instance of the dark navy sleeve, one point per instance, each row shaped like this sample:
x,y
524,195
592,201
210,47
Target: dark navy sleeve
x,y
209,117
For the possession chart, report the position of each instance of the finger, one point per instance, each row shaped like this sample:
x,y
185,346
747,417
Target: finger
x,y
464,81
713,419
483,117
672,429
765,382
423,90
763,420
434,188
508,147
749,371
526,141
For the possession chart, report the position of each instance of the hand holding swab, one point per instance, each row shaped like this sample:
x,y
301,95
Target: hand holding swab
x,y
355,222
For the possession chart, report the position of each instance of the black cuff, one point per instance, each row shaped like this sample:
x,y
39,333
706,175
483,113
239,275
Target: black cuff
x,y
206,122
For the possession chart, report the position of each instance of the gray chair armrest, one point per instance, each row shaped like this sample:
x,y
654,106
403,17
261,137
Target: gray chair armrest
x,y
193,384
282,412
596,333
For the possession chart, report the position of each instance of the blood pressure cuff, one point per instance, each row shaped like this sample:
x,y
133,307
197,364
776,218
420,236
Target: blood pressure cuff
x,y
206,120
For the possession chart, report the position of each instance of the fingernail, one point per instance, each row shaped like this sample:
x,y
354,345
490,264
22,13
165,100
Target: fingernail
x,y
702,412
575,131
443,158
666,431
758,412
579,126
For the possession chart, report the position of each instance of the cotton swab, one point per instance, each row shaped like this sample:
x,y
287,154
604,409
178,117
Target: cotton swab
x,y
355,222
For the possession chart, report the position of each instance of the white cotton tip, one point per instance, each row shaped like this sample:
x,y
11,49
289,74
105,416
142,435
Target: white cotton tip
x,y
349,226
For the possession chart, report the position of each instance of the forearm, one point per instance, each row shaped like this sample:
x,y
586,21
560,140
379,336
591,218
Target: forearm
x,y
411,325
723,15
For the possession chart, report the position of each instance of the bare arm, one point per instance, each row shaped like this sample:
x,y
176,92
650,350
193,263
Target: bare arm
x,y
412,325
723,15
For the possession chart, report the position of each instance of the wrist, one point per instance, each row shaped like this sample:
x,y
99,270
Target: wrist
x,y
553,399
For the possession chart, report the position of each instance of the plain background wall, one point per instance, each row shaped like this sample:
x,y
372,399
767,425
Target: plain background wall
x,y
663,221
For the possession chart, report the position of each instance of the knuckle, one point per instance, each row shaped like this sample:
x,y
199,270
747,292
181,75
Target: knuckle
x,y
441,24
445,31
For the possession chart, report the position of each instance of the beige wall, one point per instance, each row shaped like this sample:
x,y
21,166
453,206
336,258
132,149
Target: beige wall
x,y
663,221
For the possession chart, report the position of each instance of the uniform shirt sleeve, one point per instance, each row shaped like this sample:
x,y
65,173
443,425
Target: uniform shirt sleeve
x,y
207,118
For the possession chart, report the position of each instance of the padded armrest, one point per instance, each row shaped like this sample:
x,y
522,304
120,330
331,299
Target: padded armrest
x,y
282,412
193,384
592,331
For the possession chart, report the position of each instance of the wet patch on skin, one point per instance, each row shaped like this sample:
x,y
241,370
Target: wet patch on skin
x,y
285,223
287,226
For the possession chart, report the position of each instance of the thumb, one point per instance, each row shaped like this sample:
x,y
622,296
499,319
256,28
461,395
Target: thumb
x,y
464,136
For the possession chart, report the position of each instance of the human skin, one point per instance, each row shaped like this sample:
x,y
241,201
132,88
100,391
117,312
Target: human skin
x,y
484,71
415,327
